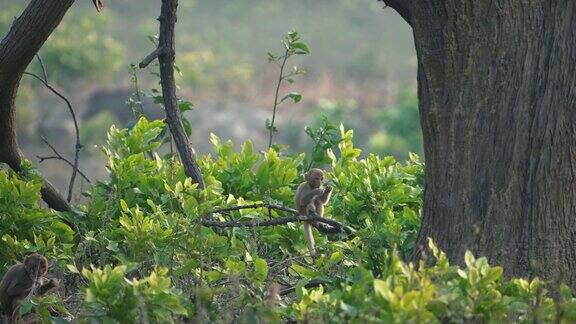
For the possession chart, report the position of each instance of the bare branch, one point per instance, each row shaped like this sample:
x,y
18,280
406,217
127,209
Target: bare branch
x,y
78,145
324,225
150,57
43,67
58,156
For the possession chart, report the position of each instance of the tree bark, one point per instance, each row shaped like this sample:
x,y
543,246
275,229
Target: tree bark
x,y
17,49
166,58
497,90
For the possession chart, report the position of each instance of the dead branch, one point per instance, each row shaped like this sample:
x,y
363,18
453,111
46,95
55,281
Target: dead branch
x,y
150,58
78,145
324,225
59,156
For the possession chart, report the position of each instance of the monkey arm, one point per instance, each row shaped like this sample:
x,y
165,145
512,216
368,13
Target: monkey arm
x,y
307,199
326,195
45,287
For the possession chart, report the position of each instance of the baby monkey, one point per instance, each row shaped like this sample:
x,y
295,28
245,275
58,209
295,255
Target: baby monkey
x,y
311,195
18,281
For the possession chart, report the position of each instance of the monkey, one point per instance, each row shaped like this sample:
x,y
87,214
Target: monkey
x,y
19,280
312,196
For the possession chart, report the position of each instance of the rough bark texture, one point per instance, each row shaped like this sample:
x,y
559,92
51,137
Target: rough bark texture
x,y
166,59
497,89
17,49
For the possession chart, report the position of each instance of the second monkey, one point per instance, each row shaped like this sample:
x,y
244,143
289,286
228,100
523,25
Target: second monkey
x,y
311,195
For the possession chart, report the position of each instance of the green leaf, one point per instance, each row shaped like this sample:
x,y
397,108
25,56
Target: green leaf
x,y
301,48
26,307
295,96
187,126
469,259
184,106
260,269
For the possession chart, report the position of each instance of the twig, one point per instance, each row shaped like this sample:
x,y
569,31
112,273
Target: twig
x,y
58,156
310,284
43,67
78,145
276,103
150,57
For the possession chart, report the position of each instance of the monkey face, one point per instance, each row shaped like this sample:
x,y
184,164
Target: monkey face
x,y
42,268
36,265
315,177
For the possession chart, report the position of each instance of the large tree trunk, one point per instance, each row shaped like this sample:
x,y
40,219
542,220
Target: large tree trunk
x,y
497,90
17,49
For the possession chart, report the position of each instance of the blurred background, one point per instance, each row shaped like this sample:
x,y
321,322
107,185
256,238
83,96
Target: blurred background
x,y
361,72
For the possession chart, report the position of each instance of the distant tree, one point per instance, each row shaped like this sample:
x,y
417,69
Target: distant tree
x,y
497,92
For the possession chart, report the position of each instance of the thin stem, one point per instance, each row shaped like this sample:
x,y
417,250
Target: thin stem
x,y
61,158
78,145
43,67
280,78
139,112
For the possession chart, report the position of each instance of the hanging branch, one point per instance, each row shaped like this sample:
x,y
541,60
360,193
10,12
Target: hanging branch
x,y
78,146
324,225
166,54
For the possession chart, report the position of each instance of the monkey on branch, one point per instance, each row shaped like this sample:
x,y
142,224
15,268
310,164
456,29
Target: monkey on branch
x,y
312,196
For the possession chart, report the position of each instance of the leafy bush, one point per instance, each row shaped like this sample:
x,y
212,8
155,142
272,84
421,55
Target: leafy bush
x,y
146,218
437,293
111,297
24,226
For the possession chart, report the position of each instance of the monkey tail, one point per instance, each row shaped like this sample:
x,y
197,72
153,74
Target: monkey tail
x,y
310,238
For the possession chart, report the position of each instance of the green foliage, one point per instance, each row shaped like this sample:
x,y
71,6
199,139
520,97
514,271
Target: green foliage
x,y
433,294
24,226
379,197
44,306
324,138
111,297
145,219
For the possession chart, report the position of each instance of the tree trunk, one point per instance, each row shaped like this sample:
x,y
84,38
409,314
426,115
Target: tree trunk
x,y
166,59
497,90
17,49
